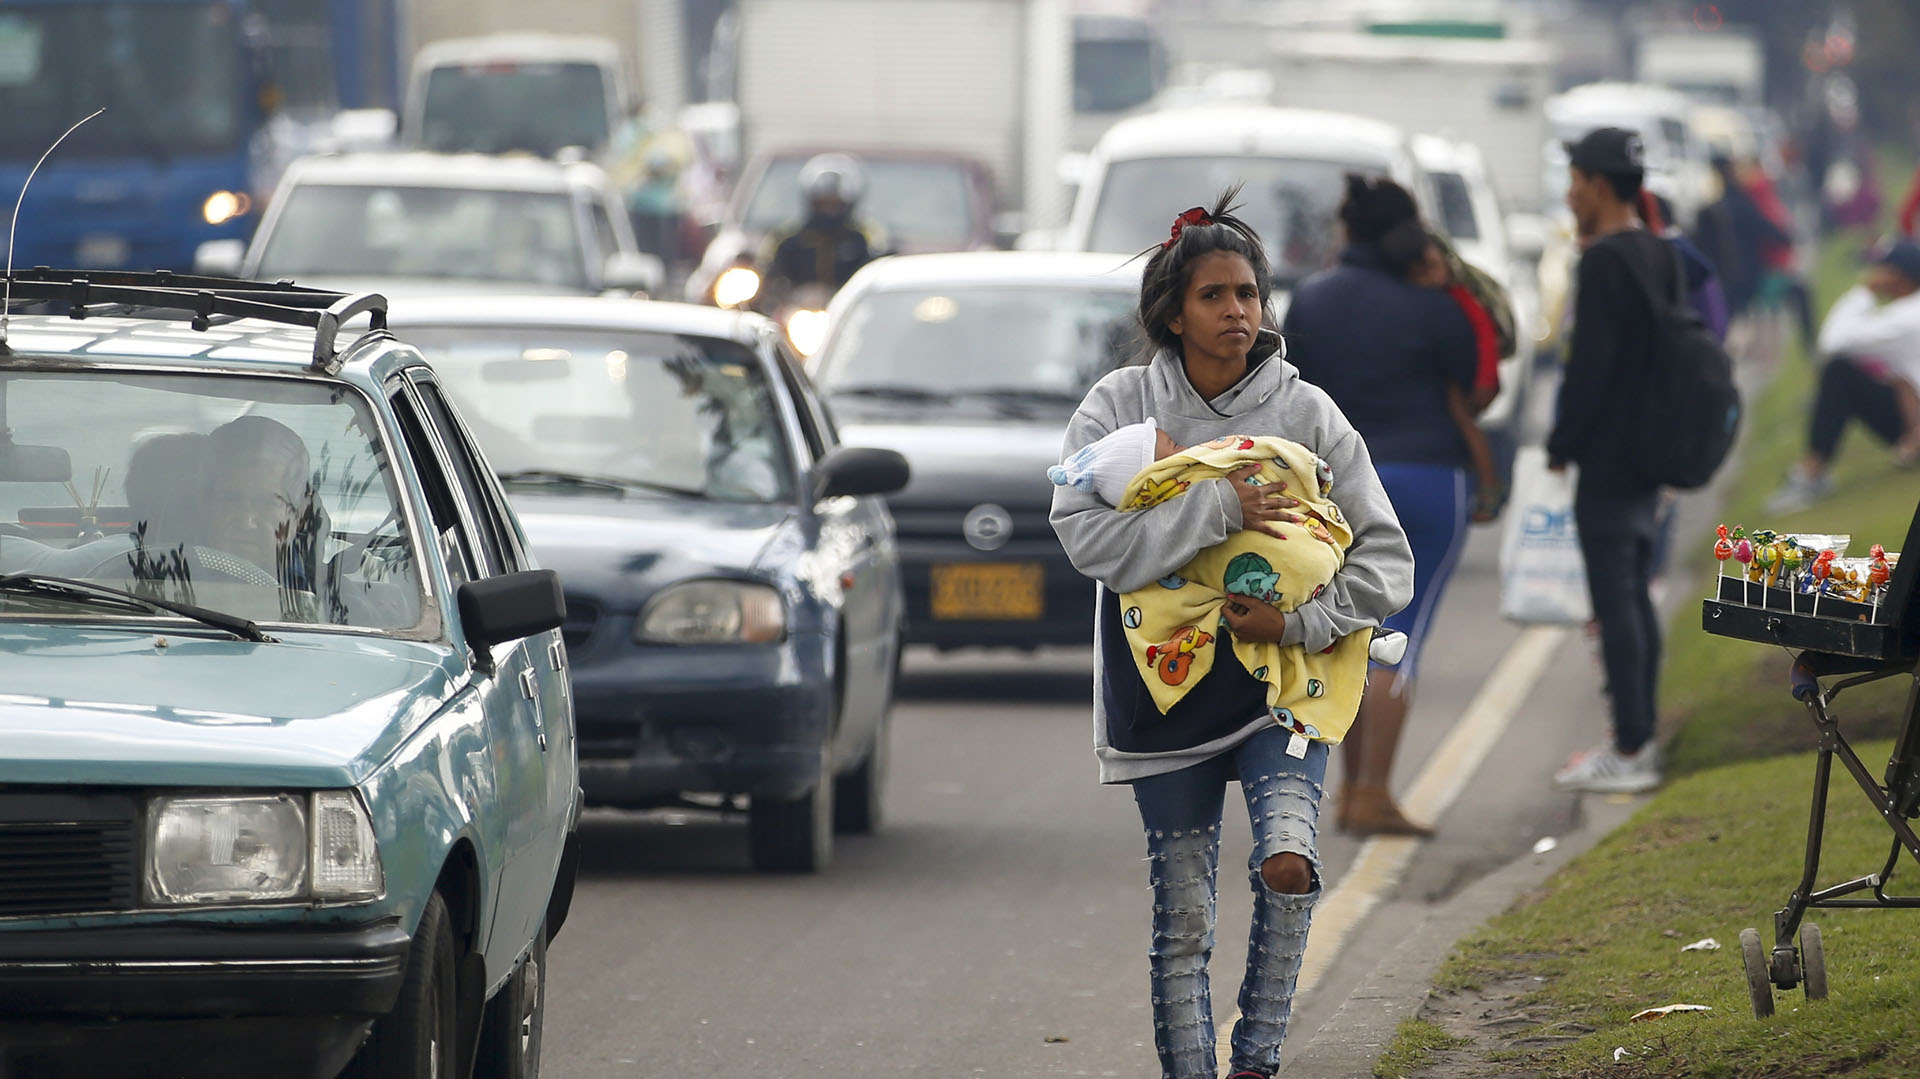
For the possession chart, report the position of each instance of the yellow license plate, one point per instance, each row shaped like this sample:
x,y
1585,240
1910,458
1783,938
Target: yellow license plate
x,y
982,590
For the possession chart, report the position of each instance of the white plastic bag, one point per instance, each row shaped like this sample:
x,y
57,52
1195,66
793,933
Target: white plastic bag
x,y
1542,575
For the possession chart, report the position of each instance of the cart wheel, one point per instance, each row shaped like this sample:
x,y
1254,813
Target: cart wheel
x,y
1759,987
1813,961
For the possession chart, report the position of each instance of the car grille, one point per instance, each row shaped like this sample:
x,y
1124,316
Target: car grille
x,y
582,616
944,524
67,853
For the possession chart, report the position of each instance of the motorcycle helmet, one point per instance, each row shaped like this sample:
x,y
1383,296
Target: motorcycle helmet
x,y
832,175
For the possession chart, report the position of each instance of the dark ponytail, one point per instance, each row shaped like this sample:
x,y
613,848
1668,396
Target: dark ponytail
x,y
1197,233
1374,207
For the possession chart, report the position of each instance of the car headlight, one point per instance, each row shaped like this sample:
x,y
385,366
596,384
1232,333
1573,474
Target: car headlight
x,y
713,612
223,206
806,330
736,286
206,849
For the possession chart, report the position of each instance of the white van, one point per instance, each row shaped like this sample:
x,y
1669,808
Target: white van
x,y
535,93
1291,164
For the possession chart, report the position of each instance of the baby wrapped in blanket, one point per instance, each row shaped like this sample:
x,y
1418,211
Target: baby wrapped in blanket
x,y
1174,625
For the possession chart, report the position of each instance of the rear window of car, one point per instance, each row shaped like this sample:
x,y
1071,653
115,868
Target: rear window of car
x,y
380,230
269,498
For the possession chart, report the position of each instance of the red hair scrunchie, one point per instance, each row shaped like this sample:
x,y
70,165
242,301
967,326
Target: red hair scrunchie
x,y
1196,216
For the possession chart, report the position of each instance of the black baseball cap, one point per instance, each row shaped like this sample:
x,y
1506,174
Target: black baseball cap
x,y
1609,151
1903,255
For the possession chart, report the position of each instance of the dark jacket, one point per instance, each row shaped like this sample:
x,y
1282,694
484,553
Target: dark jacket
x,y
1608,357
1384,350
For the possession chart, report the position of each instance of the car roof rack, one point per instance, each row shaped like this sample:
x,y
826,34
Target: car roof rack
x,y
204,299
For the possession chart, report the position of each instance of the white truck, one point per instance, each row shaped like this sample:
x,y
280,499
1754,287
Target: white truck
x,y
1721,67
1484,91
991,79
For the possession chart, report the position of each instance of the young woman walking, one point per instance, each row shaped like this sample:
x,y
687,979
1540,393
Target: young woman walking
x,y
1218,369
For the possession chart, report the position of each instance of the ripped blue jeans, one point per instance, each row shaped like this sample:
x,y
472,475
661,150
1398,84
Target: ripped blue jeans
x,y
1181,812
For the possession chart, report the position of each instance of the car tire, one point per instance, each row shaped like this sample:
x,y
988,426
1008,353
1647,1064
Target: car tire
x,y
418,1039
510,1031
794,835
856,799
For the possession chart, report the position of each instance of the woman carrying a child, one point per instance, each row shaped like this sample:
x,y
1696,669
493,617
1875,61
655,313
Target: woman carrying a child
x,y
1218,376
1397,356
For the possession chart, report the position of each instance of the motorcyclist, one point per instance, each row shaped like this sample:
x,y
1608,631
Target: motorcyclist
x,y
830,244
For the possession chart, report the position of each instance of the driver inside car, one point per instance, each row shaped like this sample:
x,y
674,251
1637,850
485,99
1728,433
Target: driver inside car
x,y
261,507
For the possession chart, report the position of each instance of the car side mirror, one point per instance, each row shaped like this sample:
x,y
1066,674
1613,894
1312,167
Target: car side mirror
x,y
633,271
510,607
219,258
859,470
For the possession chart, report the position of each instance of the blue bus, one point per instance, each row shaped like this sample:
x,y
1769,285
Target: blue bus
x,y
202,98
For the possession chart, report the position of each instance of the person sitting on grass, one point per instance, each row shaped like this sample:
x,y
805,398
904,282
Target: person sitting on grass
x,y
1872,340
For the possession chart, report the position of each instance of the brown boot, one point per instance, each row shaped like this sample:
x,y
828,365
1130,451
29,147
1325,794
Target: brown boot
x,y
1371,811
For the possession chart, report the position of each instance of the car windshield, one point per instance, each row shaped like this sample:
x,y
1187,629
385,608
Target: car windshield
x,y
266,498
1291,202
922,205
496,107
1456,205
58,62
376,230
622,413
1114,74
951,342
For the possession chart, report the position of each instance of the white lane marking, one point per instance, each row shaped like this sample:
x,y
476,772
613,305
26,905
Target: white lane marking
x,y
1383,859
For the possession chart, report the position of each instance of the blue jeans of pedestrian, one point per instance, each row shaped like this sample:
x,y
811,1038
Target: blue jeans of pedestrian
x,y
1181,811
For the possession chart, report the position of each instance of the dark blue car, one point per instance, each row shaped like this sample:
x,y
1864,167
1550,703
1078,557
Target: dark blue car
x,y
733,599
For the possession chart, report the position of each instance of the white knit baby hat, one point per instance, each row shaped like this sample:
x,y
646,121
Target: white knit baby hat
x,y
1105,467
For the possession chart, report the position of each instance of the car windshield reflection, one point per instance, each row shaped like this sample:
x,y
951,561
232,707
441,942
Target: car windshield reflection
x,y
944,345
1292,203
371,230
627,414
265,499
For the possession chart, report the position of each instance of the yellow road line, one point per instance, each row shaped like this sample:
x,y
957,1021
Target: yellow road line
x,y
1383,859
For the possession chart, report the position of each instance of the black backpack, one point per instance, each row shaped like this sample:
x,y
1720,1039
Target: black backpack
x,y
1688,410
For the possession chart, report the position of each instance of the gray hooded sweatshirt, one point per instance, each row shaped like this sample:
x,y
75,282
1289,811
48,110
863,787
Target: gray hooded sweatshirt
x,y
1125,551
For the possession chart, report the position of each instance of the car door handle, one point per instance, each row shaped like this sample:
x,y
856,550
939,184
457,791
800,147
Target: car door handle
x,y
530,689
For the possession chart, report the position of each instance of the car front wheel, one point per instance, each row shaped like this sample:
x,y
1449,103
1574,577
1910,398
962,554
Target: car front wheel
x,y
794,835
417,1039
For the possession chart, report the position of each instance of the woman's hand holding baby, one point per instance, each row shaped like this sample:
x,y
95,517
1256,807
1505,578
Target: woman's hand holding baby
x,y
1252,620
1261,505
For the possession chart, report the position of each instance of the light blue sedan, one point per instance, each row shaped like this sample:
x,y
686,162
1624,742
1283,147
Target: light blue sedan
x,y
287,769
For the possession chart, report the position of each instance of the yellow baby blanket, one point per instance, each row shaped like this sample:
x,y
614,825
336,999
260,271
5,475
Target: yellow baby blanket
x,y
1174,624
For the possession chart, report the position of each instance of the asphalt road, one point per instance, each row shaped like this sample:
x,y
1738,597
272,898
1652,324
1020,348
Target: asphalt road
x,y
998,924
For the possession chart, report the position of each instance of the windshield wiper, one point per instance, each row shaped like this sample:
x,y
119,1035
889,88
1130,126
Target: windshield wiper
x,y
588,482
915,394
89,594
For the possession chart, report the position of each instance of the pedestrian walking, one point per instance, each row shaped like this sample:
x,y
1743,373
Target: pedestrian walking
x,y
1387,351
1615,509
1871,339
1217,369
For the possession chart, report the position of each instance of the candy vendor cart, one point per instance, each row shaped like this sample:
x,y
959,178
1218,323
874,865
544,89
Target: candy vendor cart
x,y
1845,644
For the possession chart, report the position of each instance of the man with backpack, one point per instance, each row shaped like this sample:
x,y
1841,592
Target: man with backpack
x,y
1635,345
